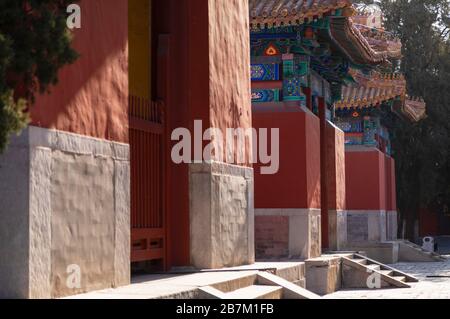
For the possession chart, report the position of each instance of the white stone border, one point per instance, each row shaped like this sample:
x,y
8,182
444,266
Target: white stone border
x,y
75,143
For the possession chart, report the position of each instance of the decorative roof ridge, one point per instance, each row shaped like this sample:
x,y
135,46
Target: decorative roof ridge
x,y
381,40
377,33
292,12
414,108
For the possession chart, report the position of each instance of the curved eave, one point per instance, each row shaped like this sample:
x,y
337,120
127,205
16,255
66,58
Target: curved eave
x,y
353,44
371,91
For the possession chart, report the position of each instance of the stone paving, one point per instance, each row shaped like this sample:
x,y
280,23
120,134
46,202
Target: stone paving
x,y
435,287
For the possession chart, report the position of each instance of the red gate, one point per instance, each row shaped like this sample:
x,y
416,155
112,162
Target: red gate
x,y
147,147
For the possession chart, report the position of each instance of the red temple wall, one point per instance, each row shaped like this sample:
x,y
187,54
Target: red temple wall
x,y
91,97
366,186
297,183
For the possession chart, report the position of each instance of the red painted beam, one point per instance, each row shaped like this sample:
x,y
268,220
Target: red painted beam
x,y
267,84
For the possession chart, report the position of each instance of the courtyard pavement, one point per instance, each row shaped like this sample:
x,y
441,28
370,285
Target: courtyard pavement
x,y
434,283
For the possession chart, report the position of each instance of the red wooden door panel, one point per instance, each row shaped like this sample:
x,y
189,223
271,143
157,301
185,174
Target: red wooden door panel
x,y
147,147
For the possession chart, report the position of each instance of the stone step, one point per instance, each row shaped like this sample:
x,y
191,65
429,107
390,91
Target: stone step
x,y
389,276
396,272
400,278
360,261
387,272
256,292
374,267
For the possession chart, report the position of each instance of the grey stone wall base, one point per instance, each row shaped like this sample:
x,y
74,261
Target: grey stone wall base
x,y
392,225
64,203
221,215
305,239
366,226
337,230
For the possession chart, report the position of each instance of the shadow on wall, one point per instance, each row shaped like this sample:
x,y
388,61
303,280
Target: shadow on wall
x,y
81,102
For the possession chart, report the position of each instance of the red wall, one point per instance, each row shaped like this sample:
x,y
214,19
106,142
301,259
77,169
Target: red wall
x,y
366,185
297,184
91,97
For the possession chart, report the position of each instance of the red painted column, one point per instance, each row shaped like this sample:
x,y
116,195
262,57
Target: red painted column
x,y
337,221
323,172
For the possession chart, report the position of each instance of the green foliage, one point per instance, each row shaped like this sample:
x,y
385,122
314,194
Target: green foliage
x,y
34,45
13,116
422,150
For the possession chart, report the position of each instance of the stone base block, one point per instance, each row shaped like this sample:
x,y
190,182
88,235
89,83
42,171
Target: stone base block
x,y
366,226
392,225
65,212
222,215
323,275
337,230
288,233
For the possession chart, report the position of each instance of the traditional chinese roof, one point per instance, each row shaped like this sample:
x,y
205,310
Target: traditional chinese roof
x,y
288,12
346,35
375,89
